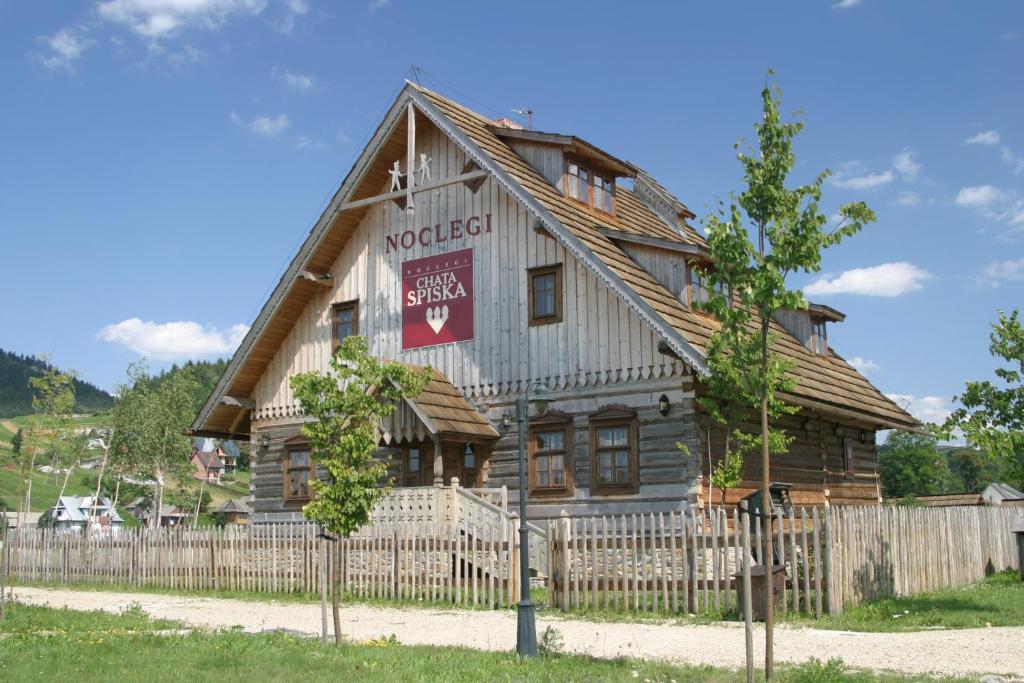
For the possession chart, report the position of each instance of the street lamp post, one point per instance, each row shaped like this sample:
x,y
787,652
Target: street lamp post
x,y
526,638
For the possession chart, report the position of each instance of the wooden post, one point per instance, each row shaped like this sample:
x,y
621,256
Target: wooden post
x,y
563,543
833,607
748,627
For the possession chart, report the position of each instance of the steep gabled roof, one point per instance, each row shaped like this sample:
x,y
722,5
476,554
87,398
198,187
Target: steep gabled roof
x,y
826,382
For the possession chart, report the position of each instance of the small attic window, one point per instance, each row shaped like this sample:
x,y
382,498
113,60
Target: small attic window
x,y
819,336
596,190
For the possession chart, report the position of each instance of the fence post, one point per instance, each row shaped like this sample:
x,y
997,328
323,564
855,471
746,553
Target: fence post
x,y
831,603
748,627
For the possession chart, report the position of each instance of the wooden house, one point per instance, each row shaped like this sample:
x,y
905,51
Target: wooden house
x,y
506,258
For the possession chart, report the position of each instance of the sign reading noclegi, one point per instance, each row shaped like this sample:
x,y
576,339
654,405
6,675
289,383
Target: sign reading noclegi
x,y
437,299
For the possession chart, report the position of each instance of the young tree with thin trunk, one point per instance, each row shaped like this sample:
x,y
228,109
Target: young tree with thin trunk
x,y
991,414
346,405
52,403
766,233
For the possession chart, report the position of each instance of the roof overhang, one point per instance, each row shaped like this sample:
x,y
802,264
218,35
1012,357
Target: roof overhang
x,y
826,312
572,145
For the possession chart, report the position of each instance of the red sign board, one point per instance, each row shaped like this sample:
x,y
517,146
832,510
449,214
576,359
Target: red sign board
x,y
437,299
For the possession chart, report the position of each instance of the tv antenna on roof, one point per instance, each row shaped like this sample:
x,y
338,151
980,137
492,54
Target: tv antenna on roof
x,y
528,113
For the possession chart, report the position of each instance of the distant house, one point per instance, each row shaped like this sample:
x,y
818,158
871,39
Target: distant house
x,y
235,511
170,515
74,512
1002,494
210,460
994,494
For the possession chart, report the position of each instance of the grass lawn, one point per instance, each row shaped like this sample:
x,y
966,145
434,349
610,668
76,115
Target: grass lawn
x,y
996,601
44,644
45,487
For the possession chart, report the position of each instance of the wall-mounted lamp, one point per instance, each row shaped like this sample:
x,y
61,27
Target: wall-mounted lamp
x,y
663,405
839,431
863,436
506,419
469,457
540,398
264,442
806,425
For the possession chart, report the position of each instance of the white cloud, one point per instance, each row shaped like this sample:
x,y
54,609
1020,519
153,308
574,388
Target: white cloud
x,y
266,126
167,341
378,4
863,365
987,138
979,196
294,81
65,47
909,199
846,4
154,19
293,9
998,272
887,280
925,408
306,142
869,181
905,163
1014,160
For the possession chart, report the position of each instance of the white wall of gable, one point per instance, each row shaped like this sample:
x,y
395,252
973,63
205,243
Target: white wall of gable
x,y
599,341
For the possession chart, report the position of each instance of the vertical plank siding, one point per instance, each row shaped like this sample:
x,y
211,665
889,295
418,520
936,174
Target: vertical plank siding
x,y
599,340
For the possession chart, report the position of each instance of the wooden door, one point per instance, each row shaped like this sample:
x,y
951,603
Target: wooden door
x,y
453,463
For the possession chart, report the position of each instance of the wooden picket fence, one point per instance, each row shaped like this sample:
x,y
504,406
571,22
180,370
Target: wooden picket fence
x,y
421,561
677,562
880,552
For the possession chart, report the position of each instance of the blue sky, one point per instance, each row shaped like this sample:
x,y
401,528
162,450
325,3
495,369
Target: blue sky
x,y
162,159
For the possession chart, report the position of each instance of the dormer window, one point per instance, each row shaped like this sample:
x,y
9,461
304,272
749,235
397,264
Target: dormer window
x,y
698,287
584,185
819,336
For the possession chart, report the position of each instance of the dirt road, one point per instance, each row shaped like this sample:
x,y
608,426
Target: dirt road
x,y
968,651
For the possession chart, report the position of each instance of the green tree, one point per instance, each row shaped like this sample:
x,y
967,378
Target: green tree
x,y
346,404
991,414
52,402
149,422
728,472
910,465
766,234
17,440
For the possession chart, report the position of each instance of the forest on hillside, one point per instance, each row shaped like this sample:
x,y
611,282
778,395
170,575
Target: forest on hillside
x,y
16,395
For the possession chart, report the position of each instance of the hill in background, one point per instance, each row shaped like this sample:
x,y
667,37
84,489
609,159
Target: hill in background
x,y
16,395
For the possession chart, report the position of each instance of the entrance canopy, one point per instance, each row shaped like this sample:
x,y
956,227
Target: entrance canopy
x,y
439,412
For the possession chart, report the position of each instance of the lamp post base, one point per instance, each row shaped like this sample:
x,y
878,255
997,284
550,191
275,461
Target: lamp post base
x,y
526,638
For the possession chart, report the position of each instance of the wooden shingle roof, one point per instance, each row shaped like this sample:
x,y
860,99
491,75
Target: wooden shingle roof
x,y
445,411
825,382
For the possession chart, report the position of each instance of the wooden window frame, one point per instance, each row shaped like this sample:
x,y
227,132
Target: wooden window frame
x,y
615,416
591,171
820,341
849,457
352,305
290,446
690,298
405,464
556,270
551,422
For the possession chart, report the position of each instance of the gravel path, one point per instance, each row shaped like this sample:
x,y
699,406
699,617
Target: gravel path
x,y
967,651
